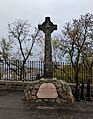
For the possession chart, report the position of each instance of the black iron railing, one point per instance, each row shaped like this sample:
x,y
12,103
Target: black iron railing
x,y
13,70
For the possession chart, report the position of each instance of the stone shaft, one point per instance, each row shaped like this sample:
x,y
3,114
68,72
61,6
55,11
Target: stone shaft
x,y
48,64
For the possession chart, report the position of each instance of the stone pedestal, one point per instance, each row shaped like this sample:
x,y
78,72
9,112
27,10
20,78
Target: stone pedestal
x,y
45,91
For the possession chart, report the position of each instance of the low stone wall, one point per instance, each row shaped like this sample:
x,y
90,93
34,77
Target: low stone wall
x,y
13,85
20,86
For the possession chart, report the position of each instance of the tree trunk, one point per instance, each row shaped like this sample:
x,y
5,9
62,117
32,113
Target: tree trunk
x,y
77,89
22,73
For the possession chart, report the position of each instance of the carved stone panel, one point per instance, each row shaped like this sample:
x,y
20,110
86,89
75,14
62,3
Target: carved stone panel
x,y
47,90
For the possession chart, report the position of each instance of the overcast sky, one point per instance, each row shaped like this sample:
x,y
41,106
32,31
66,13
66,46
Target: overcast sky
x,y
60,11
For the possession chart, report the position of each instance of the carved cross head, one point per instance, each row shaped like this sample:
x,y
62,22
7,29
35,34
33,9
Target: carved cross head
x,y
47,26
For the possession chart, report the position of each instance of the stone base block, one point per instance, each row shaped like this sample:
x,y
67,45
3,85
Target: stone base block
x,y
49,91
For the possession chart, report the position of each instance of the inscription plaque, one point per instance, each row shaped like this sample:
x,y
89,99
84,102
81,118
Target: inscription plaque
x,y
47,90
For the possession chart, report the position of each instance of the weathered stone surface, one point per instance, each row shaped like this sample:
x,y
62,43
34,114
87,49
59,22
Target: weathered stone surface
x,y
46,100
37,86
62,94
34,97
27,96
34,91
70,96
53,100
47,90
38,100
48,27
60,100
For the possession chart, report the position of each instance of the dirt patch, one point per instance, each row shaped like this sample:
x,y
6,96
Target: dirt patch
x,y
12,107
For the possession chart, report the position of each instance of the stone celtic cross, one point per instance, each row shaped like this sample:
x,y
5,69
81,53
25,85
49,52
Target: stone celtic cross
x,y
48,27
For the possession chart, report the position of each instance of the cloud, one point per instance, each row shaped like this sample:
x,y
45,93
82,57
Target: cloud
x,y
60,11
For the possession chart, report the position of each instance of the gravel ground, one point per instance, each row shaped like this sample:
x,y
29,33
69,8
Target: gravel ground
x,y
12,107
